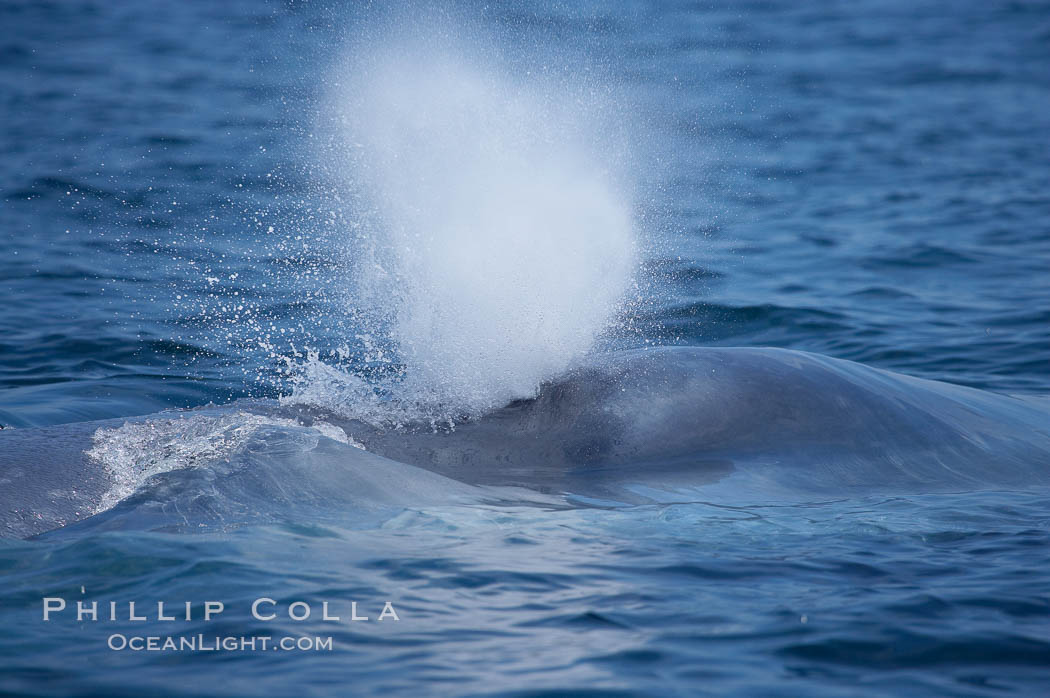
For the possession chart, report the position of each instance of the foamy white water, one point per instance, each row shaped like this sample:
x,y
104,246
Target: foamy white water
x,y
496,240
136,451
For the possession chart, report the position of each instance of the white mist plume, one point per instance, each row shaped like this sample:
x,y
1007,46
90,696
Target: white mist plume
x,y
497,238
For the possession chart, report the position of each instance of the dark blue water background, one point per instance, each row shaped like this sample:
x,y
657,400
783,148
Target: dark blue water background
x,y
866,180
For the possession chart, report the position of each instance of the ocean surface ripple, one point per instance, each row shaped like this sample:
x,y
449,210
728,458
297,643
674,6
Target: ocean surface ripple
x,y
627,349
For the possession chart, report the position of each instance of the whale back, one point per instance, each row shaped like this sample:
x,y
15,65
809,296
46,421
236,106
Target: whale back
x,y
730,424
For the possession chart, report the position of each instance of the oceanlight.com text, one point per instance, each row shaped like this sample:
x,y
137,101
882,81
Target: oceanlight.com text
x,y
119,642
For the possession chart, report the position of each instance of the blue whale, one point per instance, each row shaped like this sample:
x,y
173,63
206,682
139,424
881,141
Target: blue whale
x,y
663,424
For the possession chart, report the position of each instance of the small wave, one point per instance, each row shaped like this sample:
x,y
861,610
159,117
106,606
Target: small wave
x,y
136,451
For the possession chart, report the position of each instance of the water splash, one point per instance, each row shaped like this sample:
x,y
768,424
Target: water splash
x,y
136,451
495,239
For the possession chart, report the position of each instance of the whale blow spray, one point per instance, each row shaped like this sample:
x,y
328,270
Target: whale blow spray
x,y
496,239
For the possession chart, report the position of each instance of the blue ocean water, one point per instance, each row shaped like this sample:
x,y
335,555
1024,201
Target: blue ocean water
x,y
865,181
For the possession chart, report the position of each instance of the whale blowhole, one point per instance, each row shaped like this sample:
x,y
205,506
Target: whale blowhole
x,y
494,237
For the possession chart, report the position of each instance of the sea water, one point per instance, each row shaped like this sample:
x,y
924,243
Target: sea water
x,y
397,221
